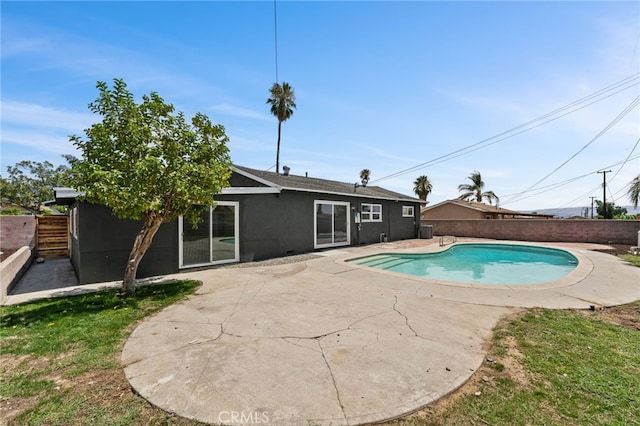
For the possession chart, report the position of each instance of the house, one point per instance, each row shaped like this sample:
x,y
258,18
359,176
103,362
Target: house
x,y
460,209
261,215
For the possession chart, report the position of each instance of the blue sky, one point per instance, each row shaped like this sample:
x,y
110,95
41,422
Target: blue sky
x,y
387,86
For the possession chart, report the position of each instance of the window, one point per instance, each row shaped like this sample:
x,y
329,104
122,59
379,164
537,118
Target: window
x,y
73,218
407,211
214,240
372,212
331,223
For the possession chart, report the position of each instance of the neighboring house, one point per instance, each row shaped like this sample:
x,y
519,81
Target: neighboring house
x,y
459,209
260,216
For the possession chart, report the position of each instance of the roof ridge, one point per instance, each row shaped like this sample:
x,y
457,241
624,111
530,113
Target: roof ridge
x,y
297,182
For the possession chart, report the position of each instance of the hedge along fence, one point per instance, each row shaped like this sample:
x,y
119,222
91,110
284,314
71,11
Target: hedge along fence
x,y
565,230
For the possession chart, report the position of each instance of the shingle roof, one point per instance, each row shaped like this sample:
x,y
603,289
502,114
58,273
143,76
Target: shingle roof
x,y
309,184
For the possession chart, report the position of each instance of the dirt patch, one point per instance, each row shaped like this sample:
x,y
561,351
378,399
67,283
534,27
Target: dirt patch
x,y
101,390
512,362
625,315
26,364
616,249
12,407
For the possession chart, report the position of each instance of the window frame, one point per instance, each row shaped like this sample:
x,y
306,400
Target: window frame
x,y
409,208
333,243
73,219
236,223
370,216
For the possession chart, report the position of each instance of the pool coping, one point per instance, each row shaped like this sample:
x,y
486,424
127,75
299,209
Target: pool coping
x,y
582,270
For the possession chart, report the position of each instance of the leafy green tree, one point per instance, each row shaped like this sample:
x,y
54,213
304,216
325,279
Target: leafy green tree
x,y
365,176
148,163
422,188
30,183
612,211
634,191
282,100
475,190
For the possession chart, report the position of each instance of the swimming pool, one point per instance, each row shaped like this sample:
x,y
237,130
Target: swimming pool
x,y
502,264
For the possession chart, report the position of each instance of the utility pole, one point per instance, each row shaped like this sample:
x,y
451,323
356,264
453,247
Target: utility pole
x,y
604,191
592,198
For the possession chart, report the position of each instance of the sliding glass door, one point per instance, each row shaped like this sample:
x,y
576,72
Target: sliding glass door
x,y
214,240
331,223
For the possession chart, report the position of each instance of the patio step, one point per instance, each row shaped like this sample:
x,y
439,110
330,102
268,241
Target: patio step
x,y
385,261
374,260
392,263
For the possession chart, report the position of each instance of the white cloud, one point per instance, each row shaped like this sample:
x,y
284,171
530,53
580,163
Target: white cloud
x,y
34,115
46,141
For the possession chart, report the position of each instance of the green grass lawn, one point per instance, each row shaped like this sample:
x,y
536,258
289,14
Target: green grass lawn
x,y
60,358
60,365
633,259
552,367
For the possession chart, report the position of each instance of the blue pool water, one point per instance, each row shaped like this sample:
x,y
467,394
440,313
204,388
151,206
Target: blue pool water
x,y
480,263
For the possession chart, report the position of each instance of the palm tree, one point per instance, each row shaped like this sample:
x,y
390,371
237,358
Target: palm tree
x,y
634,191
365,175
475,190
422,187
282,100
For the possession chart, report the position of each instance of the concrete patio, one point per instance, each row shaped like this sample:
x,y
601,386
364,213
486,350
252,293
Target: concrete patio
x,y
325,342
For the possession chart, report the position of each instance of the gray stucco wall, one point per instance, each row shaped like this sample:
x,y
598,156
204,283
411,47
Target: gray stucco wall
x,y
271,225
274,225
104,242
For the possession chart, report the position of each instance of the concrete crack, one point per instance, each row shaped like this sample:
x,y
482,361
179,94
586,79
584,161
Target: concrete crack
x,y
406,319
333,379
316,337
288,340
198,377
365,318
239,301
177,348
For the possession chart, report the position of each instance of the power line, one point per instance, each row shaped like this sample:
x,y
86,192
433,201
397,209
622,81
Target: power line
x,y
613,196
625,162
547,188
625,188
574,106
615,121
580,197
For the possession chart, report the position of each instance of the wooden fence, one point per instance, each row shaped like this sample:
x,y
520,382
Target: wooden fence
x,y
52,236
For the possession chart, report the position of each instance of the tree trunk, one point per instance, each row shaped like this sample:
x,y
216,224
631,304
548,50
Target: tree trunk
x,y
278,149
142,242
